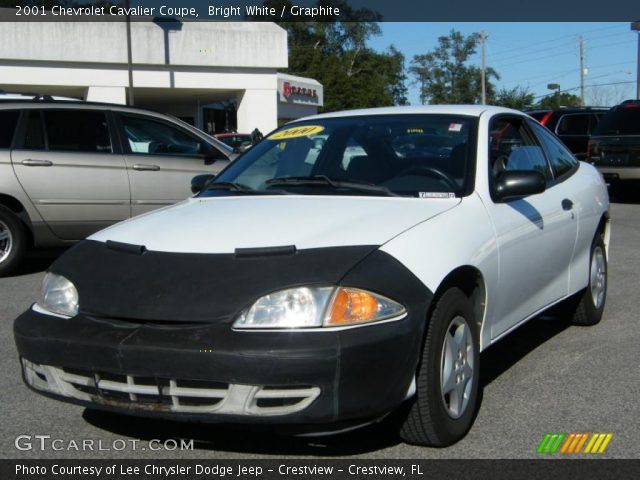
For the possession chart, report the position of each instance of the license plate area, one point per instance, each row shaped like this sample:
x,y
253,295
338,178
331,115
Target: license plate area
x,y
615,159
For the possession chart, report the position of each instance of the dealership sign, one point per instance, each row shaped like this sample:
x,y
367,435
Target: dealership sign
x,y
298,90
289,90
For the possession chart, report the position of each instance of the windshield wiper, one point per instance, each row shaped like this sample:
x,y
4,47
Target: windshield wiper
x,y
323,180
236,187
241,188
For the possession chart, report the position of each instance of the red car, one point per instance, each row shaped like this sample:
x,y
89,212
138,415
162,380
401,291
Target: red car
x,y
238,141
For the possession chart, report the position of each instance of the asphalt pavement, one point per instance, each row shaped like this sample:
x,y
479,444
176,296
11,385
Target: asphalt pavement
x,y
545,377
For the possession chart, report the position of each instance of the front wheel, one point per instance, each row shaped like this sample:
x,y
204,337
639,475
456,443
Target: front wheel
x,y
12,241
447,379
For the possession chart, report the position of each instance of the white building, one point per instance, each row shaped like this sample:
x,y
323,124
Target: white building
x,y
215,75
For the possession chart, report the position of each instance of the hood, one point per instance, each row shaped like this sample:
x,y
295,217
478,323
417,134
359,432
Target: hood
x,y
223,224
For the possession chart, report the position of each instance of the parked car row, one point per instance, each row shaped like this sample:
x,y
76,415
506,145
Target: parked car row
x,y
615,148
349,266
606,138
70,168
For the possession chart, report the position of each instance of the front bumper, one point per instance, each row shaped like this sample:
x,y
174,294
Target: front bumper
x,y
209,372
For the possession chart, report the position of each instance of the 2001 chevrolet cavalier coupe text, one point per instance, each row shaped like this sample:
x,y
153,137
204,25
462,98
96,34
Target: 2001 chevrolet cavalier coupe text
x,y
348,265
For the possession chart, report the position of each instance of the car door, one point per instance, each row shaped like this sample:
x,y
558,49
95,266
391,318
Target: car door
x,y
535,235
162,158
72,170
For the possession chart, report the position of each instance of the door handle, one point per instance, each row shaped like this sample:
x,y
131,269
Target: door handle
x,y
567,204
151,168
30,162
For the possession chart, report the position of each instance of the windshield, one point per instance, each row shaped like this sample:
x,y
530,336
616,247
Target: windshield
x,y
428,156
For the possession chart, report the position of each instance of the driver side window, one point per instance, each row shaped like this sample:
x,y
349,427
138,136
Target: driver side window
x,y
152,137
512,148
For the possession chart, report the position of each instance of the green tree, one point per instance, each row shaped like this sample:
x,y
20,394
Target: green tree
x,y
445,76
558,100
518,97
335,52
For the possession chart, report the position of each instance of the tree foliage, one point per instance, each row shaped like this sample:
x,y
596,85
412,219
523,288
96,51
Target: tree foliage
x,y
336,53
519,98
559,100
445,75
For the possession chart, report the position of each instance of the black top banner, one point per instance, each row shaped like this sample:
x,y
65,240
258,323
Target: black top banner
x,y
321,10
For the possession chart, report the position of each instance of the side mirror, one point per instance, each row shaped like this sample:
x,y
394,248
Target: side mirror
x,y
199,182
519,183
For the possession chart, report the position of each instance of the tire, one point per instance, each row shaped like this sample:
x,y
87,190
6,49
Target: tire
x,y
13,241
436,417
586,307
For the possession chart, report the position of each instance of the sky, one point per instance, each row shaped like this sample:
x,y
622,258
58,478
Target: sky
x,y
535,54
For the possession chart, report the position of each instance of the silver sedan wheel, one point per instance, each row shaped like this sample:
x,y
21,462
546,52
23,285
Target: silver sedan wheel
x,y
6,241
598,280
457,364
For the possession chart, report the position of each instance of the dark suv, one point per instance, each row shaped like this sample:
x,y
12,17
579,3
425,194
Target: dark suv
x,y
572,125
615,146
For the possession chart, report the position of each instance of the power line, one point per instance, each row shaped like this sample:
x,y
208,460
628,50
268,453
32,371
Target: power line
x,y
565,90
560,53
537,44
559,75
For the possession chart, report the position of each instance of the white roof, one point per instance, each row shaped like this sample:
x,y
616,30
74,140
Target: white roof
x,y
296,78
473,110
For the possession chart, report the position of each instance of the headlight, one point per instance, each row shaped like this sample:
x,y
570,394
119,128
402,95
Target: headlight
x,y
312,307
58,295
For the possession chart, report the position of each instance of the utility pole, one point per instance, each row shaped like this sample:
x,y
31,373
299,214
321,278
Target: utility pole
x,y
635,26
582,69
483,38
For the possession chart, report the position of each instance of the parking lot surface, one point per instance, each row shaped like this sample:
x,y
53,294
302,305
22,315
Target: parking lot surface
x,y
545,377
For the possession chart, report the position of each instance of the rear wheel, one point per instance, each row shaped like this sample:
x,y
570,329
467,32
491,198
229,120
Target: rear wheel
x,y
447,380
586,307
12,241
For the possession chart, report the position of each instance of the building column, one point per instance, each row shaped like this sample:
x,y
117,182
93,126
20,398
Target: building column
x,y
107,95
258,109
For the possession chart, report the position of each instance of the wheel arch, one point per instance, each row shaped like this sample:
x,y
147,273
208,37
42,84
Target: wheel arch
x,y
470,280
604,228
16,207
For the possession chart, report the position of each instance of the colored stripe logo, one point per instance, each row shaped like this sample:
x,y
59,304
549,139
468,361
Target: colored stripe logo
x,y
574,443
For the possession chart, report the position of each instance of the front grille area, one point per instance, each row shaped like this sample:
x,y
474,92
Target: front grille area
x,y
169,395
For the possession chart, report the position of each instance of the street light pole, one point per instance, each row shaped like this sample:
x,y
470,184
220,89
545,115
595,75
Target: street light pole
x,y
556,87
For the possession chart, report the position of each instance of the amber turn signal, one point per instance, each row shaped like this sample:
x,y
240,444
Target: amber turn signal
x,y
352,306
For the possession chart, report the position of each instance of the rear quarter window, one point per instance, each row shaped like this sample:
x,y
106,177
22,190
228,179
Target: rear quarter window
x,y
573,124
622,120
77,130
8,122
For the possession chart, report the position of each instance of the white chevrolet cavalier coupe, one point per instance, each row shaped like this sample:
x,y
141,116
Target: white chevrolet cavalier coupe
x,y
348,265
